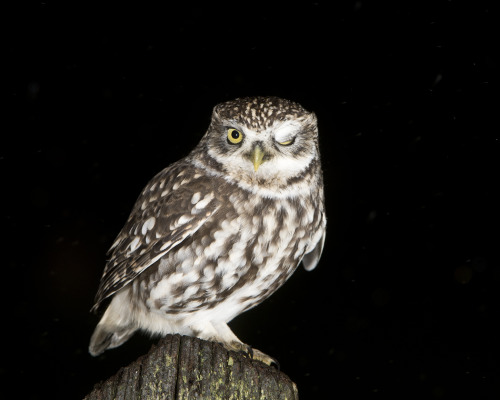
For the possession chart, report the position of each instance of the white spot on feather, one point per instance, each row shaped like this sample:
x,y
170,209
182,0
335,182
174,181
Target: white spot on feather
x,y
175,278
208,272
148,225
184,219
134,245
203,203
190,291
196,198
166,245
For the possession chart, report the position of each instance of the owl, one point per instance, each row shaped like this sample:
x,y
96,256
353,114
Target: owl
x,y
219,231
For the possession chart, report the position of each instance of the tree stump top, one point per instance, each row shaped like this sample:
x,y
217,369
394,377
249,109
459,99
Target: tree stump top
x,y
183,367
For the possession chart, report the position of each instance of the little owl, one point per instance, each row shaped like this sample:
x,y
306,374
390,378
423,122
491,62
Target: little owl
x,y
216,233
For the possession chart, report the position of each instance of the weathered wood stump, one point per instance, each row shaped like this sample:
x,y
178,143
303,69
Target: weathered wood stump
x,y
182,367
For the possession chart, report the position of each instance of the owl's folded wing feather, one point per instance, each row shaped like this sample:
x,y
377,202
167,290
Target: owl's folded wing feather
x,y
172,207
311,259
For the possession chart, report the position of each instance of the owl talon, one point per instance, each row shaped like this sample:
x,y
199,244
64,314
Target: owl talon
x,y
262,357
246,351
249,352
276,364
252,353
245,354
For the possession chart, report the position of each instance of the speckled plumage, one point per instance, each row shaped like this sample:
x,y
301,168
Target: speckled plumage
x,y
217,232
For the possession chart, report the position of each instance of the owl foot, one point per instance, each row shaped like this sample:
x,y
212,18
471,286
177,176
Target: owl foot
x,y
259,355
254,354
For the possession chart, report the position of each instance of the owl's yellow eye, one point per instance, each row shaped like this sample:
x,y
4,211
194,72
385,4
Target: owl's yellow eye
x,y
287,143
234,136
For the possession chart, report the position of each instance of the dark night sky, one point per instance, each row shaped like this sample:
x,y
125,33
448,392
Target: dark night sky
x,y
404,303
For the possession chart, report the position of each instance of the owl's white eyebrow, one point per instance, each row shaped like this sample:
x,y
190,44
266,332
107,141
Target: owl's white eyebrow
x,y
286,131
232,124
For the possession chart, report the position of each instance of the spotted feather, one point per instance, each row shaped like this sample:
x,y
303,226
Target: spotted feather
x,y
158,223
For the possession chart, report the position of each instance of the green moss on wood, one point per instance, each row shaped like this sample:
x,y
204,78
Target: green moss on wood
x,y
181,367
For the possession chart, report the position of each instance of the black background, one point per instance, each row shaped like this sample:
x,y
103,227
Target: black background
x,y
100,98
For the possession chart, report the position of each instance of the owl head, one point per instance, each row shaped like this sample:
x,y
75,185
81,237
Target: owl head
x,y
261,140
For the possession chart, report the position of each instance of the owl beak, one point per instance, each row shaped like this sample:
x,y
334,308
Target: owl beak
x,y
257,157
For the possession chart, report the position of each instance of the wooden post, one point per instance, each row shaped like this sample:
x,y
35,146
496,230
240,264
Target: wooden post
x,y
183,367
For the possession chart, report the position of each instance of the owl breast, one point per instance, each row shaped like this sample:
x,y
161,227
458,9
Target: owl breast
x,y
239,257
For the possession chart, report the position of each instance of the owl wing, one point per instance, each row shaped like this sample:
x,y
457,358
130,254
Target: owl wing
x,y
172,207
311,259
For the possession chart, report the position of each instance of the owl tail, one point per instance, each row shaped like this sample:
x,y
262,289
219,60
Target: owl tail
x,y
114,328
108,337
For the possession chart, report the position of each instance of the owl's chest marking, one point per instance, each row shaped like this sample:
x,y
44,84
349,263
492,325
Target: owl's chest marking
x,y
244,253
